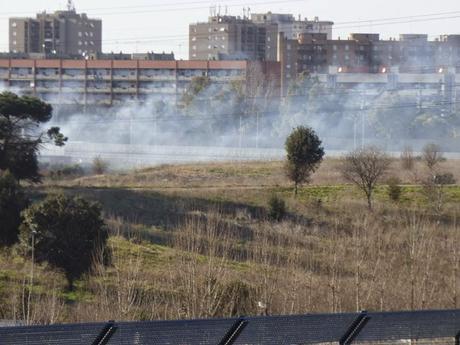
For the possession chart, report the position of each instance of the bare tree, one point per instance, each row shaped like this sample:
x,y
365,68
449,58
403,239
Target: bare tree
x,y
365,167
432,156
407,158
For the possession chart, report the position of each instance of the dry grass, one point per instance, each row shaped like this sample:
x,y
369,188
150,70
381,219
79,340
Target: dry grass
x,y
194,241
235,174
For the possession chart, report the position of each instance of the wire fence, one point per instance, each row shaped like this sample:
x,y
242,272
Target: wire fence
x,y
416,327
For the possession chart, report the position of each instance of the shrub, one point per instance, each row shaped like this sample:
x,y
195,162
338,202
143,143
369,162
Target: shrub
x,y
304,155
276,208
69,232
444,179
100,166
67,171
394,189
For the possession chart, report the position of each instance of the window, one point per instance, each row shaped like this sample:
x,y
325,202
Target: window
x,y
334,47
194,47
14,43
194,55
80,43
209,46
194,38
223,47
91,34
347,57
347,47
80,34
223,38
288,47
91,43
222,29
268,39
14,24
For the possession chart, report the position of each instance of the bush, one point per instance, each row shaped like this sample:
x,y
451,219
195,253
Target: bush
x,y
304,154
69,232
444,179
67,171
276,208
100,166
12,202
394,189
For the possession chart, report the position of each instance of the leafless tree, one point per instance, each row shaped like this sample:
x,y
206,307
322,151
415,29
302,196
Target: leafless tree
x,y
432,156
364,168
407,158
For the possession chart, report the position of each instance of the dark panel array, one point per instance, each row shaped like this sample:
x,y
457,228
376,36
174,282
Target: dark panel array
x,y
423,327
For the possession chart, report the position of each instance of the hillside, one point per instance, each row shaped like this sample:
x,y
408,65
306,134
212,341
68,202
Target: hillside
x,y
196,241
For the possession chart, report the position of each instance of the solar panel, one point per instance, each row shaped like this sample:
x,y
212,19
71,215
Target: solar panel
x,y
424,327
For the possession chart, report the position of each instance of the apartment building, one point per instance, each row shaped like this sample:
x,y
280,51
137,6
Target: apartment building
x,y
62,33
366,53
116,82
227,38
252,38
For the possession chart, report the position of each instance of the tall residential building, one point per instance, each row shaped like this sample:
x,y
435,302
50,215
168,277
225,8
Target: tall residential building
x,y
253,38
65,33
290,27
227,38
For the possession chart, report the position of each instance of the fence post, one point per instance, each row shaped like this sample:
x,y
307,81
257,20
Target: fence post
x,y
105,334
234,332
356,326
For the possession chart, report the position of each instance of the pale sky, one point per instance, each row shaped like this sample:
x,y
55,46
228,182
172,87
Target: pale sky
x,y
162,25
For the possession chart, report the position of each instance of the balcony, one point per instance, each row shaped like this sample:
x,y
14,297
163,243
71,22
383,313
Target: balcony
x,y
73,77
47,76
19,76
127,90
156,77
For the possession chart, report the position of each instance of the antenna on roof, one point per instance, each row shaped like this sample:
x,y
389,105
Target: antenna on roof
x,y
226,10
70,5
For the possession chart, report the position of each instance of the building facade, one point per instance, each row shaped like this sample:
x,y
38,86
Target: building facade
x,y
63,33
118,82
366,53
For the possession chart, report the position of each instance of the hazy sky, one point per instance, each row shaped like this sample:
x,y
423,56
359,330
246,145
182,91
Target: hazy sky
x,y
161,25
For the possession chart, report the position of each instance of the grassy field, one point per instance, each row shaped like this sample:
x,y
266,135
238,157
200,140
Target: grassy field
x,y
194,241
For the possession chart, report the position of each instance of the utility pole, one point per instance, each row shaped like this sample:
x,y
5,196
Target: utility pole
x,y
257,129
31,283
240,138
